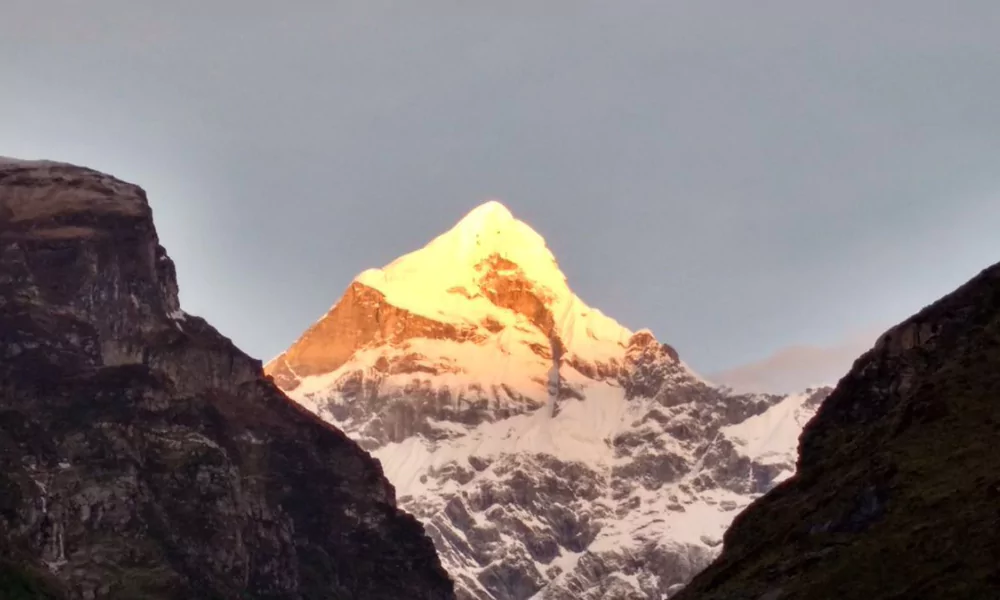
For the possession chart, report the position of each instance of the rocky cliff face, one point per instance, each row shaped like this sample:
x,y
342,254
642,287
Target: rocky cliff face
x,y
142,455
551,452
898,487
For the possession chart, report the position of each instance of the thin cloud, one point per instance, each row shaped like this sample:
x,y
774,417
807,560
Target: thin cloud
x,y
795,368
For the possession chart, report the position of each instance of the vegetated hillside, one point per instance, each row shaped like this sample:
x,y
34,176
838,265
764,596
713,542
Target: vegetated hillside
x,y
142,455
897,493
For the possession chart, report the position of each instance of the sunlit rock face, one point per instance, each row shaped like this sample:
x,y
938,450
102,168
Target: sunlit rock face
x,y
550,451
142,455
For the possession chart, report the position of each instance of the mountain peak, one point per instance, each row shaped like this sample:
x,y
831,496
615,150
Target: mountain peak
x,y
489,277
490,229
453,278
488,215
423,280
532,428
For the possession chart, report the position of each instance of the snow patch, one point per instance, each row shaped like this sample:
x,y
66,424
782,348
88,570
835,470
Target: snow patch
x,y
581,431
768,437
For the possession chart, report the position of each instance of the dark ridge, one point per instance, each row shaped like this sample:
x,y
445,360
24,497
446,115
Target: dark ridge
x,y
142,455
898,490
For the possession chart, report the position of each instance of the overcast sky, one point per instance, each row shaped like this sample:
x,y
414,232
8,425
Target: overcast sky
x,y
740,177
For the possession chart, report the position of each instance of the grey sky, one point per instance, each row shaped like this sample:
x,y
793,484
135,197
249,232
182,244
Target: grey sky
x,y
737,176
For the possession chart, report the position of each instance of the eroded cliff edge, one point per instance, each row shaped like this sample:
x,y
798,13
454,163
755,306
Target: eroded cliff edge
x,y
142,455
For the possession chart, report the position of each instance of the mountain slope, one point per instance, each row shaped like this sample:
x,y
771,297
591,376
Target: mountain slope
x,y
142,455
549,450
898,489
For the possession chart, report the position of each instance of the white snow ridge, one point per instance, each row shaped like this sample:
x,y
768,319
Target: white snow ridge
x,y
551,452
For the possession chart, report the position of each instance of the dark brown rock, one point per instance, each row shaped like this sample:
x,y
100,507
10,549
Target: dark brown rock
x,y
891,498
142,455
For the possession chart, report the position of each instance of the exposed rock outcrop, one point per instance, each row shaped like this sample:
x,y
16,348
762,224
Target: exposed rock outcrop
x,y
361,318
142,455
897,493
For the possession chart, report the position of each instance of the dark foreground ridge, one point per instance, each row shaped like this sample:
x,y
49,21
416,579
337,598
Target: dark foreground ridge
x,y
142,455
898,487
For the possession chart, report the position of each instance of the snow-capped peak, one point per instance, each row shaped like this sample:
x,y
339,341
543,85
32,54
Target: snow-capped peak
x,y
451,260
449,279
548,449
491,214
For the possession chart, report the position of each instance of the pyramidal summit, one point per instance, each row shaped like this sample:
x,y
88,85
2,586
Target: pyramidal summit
x,y
489,283
551,452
